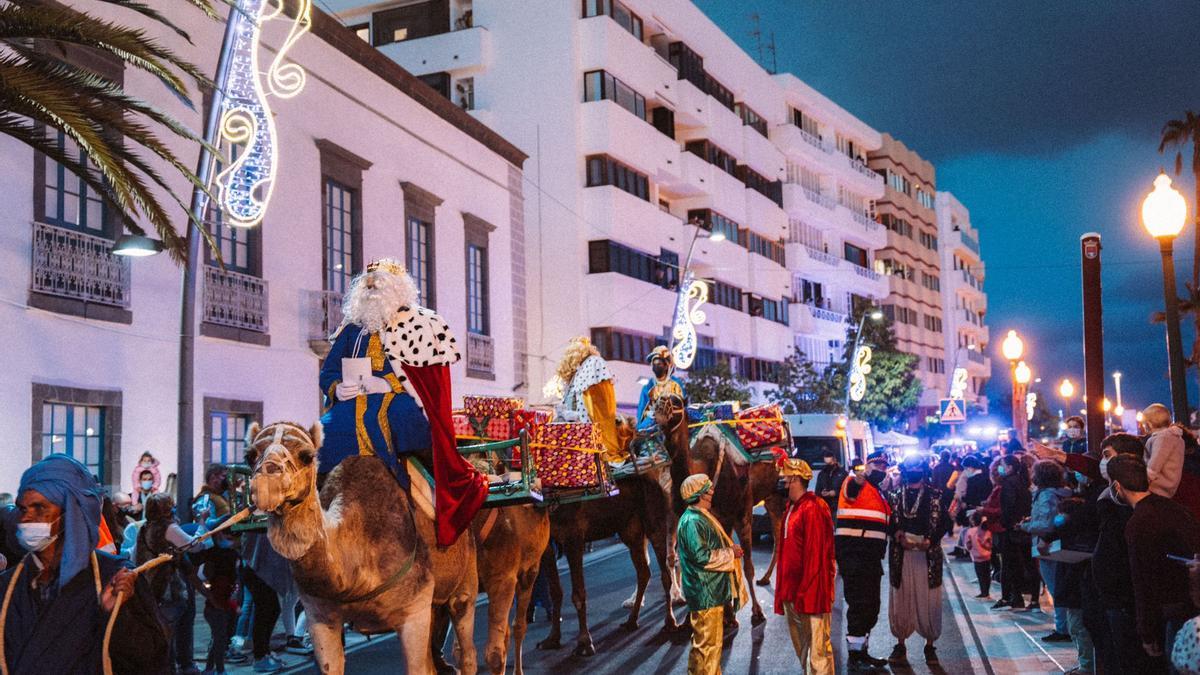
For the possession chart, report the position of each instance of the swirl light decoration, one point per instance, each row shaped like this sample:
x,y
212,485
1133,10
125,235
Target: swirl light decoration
x,y
859,369
687,315
244,187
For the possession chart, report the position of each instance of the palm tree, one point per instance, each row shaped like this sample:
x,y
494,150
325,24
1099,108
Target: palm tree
x,y
1177,134
41,94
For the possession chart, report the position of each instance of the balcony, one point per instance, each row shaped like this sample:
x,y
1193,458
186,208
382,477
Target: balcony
x,y
459,52
976,357
605,44
793,140
609,129
816,197
70,264
860,178
828,315
324,317
760,153
235,301
481,356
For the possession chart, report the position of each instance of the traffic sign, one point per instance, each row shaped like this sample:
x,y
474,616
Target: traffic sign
x,y
953,411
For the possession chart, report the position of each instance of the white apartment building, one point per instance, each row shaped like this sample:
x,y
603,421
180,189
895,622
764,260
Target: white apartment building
x,y
964,302
371,164
644,122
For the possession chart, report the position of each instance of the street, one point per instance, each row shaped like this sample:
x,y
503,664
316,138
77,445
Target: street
x,y
973,640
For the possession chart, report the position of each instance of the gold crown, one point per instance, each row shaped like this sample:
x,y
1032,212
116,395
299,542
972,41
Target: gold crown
x,y
387,265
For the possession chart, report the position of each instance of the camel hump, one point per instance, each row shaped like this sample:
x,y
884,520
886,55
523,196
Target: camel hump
x,y
365,484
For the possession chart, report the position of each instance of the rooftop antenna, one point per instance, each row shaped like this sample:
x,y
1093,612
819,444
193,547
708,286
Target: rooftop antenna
x,y
757,35
774,55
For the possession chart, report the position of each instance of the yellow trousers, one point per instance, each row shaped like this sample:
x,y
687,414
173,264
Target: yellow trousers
x,y
600,401
708,631
810,637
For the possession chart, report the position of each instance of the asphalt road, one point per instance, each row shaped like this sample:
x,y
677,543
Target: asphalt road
x,y
766,649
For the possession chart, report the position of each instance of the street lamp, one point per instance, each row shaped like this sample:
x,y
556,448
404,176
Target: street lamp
x,y
1163,214
1066,390
1117,379
1022,374
1013,347
683,319
854,372
136,246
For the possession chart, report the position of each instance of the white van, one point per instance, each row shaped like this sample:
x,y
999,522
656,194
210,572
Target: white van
x,y
814,433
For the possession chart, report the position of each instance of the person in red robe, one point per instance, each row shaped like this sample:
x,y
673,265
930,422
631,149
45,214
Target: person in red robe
x,y
804,578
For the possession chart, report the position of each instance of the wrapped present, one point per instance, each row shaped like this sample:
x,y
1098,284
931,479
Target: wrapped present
x,y
492,406
760,426
723,411
527,420
462,425
567,455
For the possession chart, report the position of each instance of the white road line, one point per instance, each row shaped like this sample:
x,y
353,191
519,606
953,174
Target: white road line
x,y
1039,646
963,619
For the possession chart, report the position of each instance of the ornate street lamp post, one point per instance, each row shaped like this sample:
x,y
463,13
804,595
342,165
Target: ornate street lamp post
x,y
1163,214
1013,348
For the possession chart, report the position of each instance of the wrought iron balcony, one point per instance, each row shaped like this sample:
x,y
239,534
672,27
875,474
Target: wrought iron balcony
x,y
72,264
324,317
481,355
864,169
975,357
235,300
865,272
818,198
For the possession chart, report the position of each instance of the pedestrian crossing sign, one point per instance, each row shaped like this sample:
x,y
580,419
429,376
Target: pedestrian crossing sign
x,y
953,411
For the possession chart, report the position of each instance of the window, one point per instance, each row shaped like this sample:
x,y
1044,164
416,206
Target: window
x,y
411,21
618,12
363,31
439,81
341,250
714,155
935,365
715,222
618,345
925,198
76,431
757,370
69,202
238,245
771,189
771,250
418,251
227,442
896,224
850,149
465,88
933,323
855,254
751,118
610,256
604,170
812,293
931,281
806,123
928,240
726,295
898,183
600,86
477,290
688,64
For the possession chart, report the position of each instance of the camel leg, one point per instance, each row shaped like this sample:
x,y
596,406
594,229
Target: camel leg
x,y
663,553
583,643
549,567
628,603
500,601
413,632
766,577
636,542
462,614
525,582
439,631
328,648
746,538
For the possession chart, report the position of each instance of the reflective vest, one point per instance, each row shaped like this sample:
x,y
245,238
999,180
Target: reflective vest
x,y
864,516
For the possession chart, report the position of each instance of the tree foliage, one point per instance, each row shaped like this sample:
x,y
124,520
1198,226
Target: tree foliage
x,y
718,383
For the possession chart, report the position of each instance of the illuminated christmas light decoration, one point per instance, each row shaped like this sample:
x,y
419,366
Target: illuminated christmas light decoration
x,y
858,373
244,187
958,386
687,315
1030,404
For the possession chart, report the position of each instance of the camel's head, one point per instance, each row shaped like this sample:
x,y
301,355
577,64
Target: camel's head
x,y
669,412
283,455
703,455
626,431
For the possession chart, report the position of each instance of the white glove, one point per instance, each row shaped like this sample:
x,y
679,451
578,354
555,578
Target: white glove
x,y
347,390
377,385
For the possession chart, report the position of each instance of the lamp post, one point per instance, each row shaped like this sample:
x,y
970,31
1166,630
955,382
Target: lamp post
x,y
874,315
1013,347
1021,376
682,328
1163,214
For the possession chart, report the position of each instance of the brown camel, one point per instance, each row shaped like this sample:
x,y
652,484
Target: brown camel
x,y
360,554
737,486
640,511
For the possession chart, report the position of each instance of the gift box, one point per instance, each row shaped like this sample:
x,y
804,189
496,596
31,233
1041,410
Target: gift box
x,y
528,420
492,406
722,411
760,426
462,425
566,455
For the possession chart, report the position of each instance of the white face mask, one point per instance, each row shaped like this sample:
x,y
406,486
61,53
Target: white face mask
x,y
1104,468
35,537
1074,433
147,484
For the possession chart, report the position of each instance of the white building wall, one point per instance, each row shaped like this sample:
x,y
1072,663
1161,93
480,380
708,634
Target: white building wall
x,y
964,302
343,102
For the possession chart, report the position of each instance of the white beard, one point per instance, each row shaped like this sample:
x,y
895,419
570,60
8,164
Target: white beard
x,y
375,308
374,311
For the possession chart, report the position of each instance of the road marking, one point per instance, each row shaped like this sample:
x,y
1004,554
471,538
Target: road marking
x,y
1039,646
974,648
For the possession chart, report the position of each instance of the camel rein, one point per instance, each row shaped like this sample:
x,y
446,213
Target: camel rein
x,y
378,590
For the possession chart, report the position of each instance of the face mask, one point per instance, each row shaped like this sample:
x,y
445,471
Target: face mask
x,y
1002,470
1074,433
660,370
35,537
875,477
147,485
1080,478
147,462
1104,468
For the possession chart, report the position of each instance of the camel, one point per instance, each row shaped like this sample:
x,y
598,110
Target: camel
x,y
734,495
640,511
360,552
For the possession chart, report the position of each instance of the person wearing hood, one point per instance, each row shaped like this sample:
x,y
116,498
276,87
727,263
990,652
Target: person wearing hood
x,y
1074,441
1049,491
59,597
1164,451
860,541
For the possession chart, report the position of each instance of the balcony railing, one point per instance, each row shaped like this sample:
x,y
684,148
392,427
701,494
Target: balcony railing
x,y
976,357
864,220
821,256
969,241
818,198
865,273
827,314
814,140
324,314
481,355
72,264
863,169
235,300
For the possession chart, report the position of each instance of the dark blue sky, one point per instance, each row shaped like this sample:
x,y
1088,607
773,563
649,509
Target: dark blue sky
x,y
1043,119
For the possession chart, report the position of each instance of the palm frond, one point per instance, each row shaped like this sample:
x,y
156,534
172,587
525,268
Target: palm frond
x,y
150,12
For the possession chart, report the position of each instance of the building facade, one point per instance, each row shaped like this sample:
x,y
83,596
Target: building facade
x,y
650,131
372,164
964,302
912,263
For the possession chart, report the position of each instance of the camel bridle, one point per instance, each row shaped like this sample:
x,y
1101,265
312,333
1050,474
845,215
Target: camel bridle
x,y
669,403
276,465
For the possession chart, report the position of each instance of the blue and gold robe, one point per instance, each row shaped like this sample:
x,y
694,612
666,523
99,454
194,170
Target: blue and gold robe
x,y
650,395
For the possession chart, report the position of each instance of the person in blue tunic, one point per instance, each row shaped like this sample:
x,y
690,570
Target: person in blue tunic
x,y
386,382
662,363
58,598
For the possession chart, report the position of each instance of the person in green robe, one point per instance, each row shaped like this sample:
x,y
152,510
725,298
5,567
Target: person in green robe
x,y
710,572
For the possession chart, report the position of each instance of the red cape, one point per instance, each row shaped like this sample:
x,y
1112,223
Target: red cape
x,y
459,490
805,576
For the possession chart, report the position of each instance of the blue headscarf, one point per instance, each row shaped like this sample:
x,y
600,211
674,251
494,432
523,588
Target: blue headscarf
x,y
68,485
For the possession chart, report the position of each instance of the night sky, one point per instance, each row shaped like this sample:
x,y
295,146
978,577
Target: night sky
x,y
1043,118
